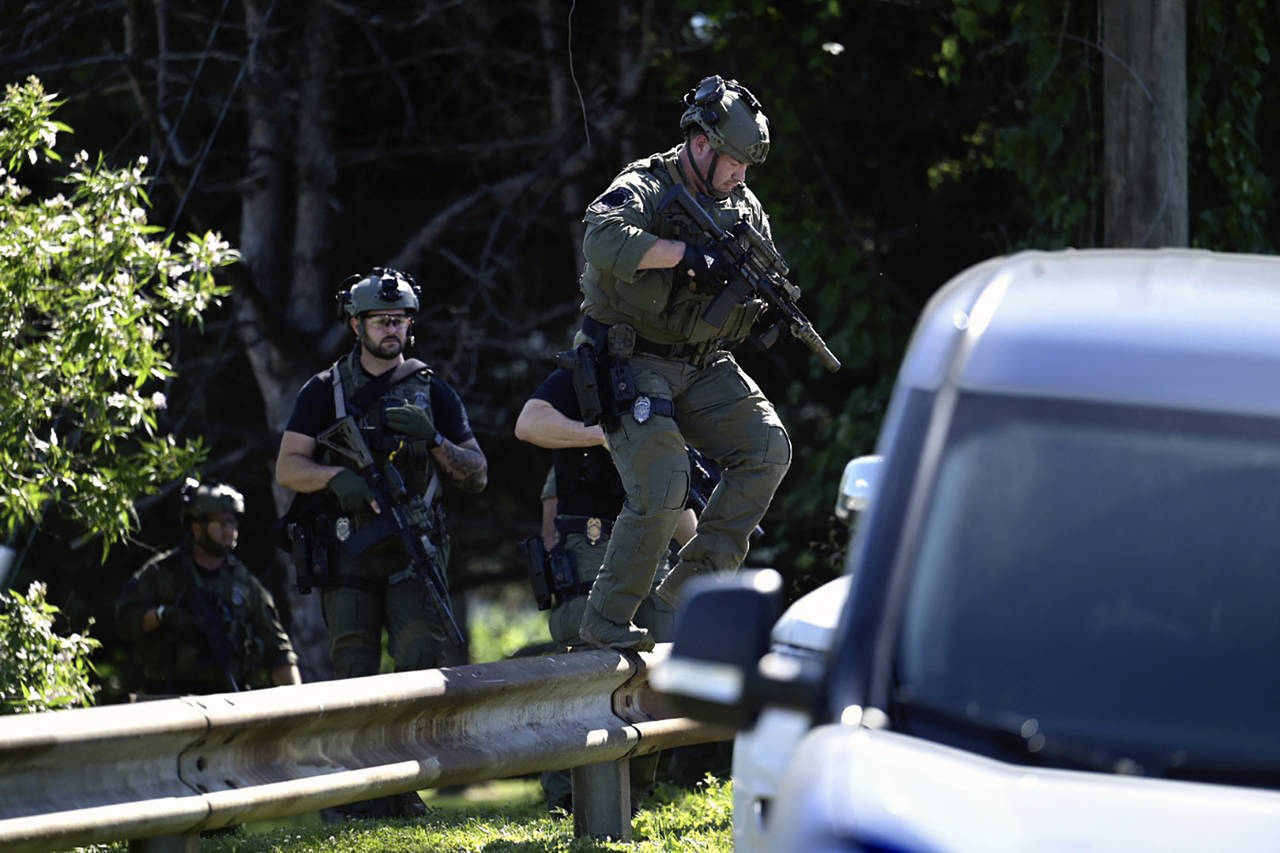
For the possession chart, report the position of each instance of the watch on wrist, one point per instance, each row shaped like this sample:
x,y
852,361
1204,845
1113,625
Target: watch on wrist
x,y
437,440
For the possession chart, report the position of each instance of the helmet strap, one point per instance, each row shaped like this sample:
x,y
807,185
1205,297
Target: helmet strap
x,y
711,170
705,179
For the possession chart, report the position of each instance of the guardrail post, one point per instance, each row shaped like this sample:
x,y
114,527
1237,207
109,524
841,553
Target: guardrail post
x,y
602,800
188,843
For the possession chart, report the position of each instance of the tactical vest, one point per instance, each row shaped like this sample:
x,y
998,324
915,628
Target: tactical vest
x,y
666,305
233,602
411,456
587,482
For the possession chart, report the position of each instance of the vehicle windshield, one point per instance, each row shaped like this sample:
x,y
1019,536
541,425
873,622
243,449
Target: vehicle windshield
x,y
1103,582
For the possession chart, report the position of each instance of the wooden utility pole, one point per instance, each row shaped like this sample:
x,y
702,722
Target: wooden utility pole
x,y
1145,118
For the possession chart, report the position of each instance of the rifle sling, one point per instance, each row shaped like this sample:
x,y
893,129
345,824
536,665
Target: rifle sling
x,y
373,389
377,529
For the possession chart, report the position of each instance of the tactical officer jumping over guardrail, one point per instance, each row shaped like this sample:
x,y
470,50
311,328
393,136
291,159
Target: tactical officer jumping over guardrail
x,y
680,268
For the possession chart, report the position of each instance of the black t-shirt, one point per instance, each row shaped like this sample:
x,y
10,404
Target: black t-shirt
x,y
586,481
313,411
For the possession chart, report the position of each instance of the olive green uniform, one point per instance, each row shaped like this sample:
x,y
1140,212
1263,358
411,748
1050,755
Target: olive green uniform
x,y
718,409
240,608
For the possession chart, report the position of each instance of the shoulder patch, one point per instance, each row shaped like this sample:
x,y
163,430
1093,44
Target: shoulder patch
x,y
612,200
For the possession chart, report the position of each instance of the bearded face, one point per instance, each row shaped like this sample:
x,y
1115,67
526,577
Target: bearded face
x,y
383,335
216,535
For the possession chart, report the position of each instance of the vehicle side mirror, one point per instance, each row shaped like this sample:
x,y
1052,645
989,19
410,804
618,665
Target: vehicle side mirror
x,y
858,485
720,669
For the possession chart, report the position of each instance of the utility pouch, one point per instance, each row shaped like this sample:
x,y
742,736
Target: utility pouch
x,y
300,539
552,574
622,386
622,341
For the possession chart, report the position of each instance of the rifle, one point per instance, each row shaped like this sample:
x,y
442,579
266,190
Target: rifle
x,y
406,514
211,630
703,478
760,274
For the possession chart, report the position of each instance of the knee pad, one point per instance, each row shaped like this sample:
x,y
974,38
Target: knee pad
x,y
777,449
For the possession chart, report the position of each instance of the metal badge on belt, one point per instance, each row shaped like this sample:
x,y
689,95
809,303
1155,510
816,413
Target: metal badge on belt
x,y
342,528
641,409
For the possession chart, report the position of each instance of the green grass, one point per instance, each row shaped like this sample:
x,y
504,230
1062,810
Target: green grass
x,y
497,817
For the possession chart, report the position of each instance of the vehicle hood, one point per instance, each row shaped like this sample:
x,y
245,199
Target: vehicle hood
x,y
897,792
810,622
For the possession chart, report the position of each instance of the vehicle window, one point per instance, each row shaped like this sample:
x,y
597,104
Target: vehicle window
x,y
1106,577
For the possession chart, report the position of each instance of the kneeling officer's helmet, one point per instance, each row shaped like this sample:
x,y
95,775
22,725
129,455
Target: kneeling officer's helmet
x,y
380,289
200,500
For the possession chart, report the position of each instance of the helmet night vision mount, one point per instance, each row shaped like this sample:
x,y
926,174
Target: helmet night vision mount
x,y
382,288
730,116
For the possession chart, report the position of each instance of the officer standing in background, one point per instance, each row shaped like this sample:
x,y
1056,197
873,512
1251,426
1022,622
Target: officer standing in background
x,y
415,423
581,498
418,424
647,282
202,623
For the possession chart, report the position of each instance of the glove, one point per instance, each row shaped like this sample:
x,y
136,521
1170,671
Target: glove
x,y
411,420
352,491
177,621
706,264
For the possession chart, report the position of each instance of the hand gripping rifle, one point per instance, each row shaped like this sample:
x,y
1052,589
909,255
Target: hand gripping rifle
x,y
406,514
760,273
212,629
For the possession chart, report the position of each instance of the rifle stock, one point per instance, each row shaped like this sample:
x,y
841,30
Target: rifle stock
x,y
761,273
407,514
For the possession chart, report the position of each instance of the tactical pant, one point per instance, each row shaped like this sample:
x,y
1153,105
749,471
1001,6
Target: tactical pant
x,y
356,617
720,411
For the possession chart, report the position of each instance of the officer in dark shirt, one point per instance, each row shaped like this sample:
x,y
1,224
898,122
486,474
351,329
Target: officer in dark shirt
x,y
424,433
588,496
583,496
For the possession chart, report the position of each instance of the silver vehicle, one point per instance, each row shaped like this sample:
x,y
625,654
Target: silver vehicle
x,y
1061,627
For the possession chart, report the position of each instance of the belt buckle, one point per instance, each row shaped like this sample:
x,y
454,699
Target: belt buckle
x,y
594,530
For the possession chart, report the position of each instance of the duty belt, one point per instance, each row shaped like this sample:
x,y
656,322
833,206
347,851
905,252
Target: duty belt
x,y
695,354
591,527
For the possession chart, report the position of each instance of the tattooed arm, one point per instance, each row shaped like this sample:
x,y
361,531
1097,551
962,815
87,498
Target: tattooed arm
x,y
464,463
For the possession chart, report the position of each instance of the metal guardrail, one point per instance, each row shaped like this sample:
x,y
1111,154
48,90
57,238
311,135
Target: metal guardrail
x,y
175,767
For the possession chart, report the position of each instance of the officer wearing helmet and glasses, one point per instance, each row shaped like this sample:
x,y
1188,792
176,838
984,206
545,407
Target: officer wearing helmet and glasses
x,y
419,425
412,420
649,278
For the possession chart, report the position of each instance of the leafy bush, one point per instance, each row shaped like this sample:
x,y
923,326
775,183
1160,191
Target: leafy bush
x,y
88,291
40,670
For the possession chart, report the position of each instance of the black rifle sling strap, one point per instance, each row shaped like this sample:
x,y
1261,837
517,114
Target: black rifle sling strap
x,y
372,390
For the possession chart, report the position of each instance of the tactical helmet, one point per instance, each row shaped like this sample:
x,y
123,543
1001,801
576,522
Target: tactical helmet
x,y
200,500
382,288
730,116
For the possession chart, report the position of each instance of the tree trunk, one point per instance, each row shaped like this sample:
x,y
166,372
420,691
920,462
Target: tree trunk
x,y
1145,119
267,302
